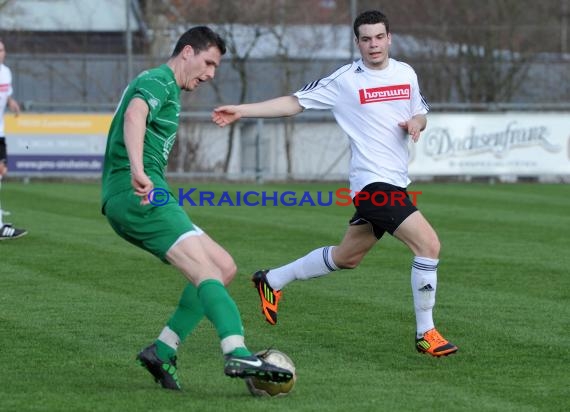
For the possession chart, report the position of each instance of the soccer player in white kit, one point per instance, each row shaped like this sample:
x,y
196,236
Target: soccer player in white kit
x,y
377,102
7,231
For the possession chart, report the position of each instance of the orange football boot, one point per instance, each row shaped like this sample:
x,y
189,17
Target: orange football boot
x,y
434,344
269,297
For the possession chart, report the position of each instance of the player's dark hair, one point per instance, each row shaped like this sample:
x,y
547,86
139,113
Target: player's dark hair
x,y
200,38
370,17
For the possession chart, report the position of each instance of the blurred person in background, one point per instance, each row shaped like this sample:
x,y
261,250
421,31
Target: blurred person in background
x,y
7,231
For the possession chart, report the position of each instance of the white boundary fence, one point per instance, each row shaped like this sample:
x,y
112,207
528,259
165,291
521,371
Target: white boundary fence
x,y
505,145
495,144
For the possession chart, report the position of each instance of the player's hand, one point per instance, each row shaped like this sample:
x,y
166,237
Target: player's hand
x,y
225,115
413,128
14,107
143,186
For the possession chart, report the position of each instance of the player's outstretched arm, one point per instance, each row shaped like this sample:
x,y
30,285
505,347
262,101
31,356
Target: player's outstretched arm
x,y
279,107
225,115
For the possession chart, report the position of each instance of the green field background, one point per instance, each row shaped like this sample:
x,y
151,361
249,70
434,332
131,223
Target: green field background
x,y
77,303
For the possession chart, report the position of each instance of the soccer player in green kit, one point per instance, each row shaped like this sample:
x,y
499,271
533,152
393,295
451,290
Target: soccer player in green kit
x,y
140,139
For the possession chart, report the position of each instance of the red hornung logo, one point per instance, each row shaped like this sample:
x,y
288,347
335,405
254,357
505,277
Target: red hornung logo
x,y
384,94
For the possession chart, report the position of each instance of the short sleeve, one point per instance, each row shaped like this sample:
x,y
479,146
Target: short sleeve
x,y
321,94
418,103
154,91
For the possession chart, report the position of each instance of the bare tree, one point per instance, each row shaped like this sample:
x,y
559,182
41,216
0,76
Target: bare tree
x,y
239,60
242,40
485,63
473,52
244,33
297,44
3,3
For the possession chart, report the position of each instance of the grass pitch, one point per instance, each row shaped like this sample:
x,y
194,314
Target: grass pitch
x,y
77,303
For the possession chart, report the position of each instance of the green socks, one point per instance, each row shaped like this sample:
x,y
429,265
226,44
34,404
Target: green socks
x,y
242,352
222,311
186,317
164,351
210,298
188,313
220,308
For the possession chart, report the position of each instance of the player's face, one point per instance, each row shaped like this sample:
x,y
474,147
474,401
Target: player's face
x,y
199,67
374,45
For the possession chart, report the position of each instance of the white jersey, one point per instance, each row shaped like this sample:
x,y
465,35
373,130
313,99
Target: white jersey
x,y
368,105
5,92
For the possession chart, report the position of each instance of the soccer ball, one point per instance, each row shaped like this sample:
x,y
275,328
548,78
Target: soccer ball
x,y
257,387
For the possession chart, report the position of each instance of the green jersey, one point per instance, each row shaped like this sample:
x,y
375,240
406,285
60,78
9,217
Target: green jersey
x,y
158,88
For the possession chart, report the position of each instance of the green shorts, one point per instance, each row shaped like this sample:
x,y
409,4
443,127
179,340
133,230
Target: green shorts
x,y
153,228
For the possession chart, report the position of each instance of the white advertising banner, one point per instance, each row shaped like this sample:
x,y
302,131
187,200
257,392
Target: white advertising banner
x,y
56,142
522,143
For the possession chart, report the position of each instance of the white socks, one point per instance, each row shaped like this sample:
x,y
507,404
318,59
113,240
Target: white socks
x,y
169,337
317,263
424,285
231,343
